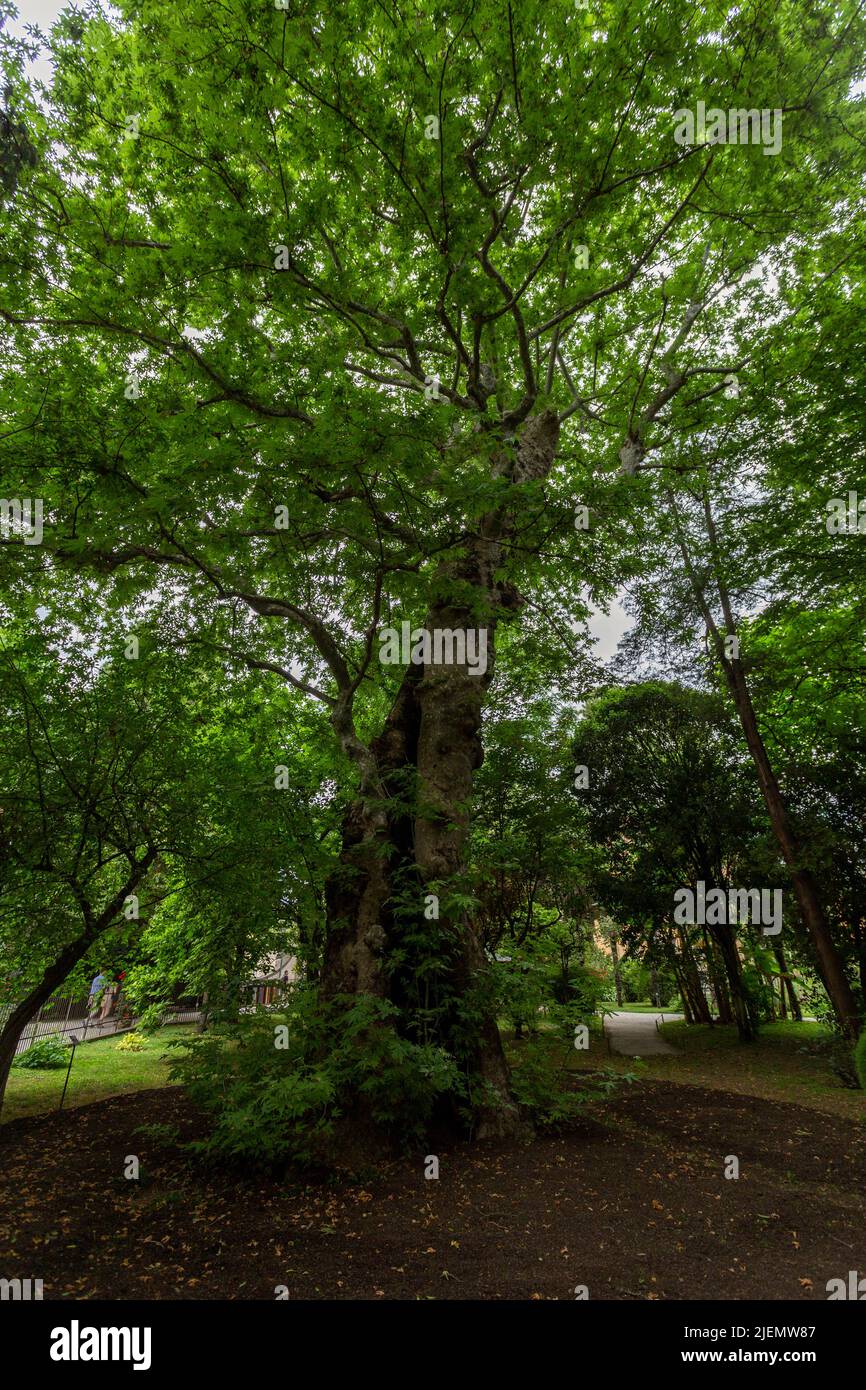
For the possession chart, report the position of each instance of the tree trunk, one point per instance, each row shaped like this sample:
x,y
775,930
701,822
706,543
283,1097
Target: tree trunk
x,y
796,1009
405,837
449,751
673,958
723,1001
833,972
741,1003
655,997
830,964
788,984
376,837
699,1007
20,1016
684,995
8,1043
201,1026
617,972
859,947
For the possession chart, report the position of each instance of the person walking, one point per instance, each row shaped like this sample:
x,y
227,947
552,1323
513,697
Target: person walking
x,y
93,998
108,1000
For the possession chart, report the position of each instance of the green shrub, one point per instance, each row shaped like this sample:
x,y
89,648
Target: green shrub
x,y
528,990
860,1059
635,977
131,1042
522,987
275,1085
549,1091
48,1052
583,987
541,1085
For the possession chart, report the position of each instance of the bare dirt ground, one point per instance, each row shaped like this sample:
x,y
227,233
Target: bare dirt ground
x,y
631,1202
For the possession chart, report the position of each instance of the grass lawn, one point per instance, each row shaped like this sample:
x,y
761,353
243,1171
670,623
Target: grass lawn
x,y
99,1071
789,1061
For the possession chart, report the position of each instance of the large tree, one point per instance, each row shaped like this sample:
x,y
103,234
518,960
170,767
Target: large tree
x,y
324,321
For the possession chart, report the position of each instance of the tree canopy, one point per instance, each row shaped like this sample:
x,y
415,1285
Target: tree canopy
x,y
321,330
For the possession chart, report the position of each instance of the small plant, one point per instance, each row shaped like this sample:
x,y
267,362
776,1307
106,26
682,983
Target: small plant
x,y
47,1053
549,1090
860,1059
131,1042
159,1133
541,1084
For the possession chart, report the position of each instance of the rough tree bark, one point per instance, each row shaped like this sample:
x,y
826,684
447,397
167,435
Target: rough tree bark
x,y
432,740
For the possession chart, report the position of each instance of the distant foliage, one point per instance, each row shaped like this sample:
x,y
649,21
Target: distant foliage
x,y
533,986
860,1059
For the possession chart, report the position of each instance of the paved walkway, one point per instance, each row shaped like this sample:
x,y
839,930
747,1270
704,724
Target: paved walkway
x,y
85,1030
636,1035
88,1030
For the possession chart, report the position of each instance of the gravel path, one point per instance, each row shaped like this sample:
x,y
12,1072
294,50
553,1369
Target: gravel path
x,y
636,1035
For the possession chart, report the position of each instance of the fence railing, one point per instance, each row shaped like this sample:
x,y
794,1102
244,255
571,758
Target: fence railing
x,y
65,1018
62,1018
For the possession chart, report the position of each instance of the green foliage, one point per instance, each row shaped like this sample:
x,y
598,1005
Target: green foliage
x,y
271,1103
860,1059
542,1085
532,987
549,1091
522,988
298,387
132,1042
47,1053
635,977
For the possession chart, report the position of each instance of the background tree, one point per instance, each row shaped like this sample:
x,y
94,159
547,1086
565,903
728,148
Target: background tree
x,y
91,794
668,804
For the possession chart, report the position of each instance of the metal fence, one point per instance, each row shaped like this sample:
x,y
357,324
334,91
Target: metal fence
x,y
79,1018
63,1018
